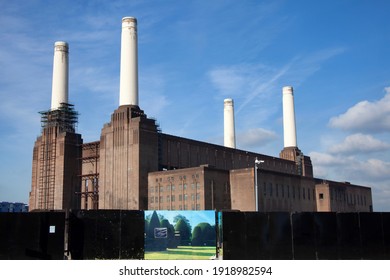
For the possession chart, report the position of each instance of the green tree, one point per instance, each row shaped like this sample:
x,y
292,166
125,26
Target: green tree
x,y
181,217
197,239
152,243
205,236
154,223
185,231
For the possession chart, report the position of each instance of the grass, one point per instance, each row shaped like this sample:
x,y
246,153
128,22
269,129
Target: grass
x,y
182,253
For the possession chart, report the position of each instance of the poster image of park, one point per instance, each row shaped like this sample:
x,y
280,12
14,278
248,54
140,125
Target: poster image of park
x,y
180,235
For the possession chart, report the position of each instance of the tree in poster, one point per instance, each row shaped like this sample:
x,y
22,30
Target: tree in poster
x,y
185,231
203,235
155,244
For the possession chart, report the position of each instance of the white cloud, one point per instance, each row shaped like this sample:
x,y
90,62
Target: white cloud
x,y
255,137
359,143
366,116
338,167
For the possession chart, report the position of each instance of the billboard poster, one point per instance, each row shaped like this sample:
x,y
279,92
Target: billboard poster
x,y
180,235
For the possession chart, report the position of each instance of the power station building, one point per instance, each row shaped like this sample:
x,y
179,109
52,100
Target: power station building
x,y
134,166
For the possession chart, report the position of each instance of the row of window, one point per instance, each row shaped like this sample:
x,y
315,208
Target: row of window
x,y
172,188
288,192
173,207
181,178
355,199
172,198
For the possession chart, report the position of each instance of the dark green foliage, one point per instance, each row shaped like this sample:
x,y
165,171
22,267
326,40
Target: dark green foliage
x,y
181,217
185,231
203,235
155,244
197,239
146,229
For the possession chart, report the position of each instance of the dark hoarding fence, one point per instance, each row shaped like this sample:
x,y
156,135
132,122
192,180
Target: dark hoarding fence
x,y
386,234
106,234
325,226
371,233
279,236
348,236
304,238
29,236
234,244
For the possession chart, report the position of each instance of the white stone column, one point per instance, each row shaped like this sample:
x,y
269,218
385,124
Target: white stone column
x,y
290,134
128,94
59,93
229,130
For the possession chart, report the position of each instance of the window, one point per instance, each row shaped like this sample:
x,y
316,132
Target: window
x,y
172,198
321,196
192,197
185,197
152,200
198,196
270,189
168,198
197,186
277,191
180,197
173,188
303,193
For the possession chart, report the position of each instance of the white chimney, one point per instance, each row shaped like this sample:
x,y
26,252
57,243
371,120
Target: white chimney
x,y
290,134
129,63
59,92
229,131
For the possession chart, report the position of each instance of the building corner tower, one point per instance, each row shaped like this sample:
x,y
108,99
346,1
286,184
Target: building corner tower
x,y
129,142
56,156
291,150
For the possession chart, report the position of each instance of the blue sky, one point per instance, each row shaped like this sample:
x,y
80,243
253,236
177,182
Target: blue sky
x,y
194,54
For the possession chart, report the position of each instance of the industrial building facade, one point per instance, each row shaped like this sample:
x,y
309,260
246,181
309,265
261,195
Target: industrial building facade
x,y
134,166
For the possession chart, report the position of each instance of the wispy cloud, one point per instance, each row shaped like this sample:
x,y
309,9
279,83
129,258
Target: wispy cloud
x,y
254,138
248,81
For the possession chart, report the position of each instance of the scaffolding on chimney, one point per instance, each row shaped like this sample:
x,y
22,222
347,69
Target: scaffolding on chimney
x,y
90,181
63,119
